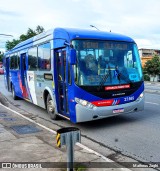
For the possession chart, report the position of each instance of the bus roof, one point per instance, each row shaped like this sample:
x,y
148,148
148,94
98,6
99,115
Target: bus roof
x,y
72,33
94,34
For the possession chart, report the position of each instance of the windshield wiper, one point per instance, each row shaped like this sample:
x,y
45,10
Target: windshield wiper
x,y
123,77
104,78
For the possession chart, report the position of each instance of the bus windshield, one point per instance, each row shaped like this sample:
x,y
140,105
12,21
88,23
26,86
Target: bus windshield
x,y
106,63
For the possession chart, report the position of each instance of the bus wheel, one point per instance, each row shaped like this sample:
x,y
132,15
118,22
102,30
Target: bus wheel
x,y
51,108
13,93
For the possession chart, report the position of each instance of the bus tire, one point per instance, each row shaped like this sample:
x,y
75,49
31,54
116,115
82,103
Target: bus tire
x,y
13,93
51,108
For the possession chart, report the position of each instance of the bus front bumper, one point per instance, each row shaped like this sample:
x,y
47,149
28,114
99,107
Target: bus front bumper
x,y
84,114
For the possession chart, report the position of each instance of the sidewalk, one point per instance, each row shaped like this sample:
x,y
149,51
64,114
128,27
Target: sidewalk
x,y
22,140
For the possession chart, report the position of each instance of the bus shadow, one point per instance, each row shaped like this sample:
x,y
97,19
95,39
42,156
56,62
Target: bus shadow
x,y
111,121
142,117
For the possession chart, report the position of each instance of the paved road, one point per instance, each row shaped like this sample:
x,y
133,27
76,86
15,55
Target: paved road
x,y
152,86
135,135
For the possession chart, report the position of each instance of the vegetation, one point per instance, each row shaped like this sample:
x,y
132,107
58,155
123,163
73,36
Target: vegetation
x,y
30,33
152,67
146,77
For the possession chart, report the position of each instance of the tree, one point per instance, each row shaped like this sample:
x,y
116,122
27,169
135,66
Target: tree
x,y
152,67
30,33
10,44
39,29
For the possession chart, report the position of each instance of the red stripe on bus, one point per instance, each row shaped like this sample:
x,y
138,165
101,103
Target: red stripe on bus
x,y
103,103
117,87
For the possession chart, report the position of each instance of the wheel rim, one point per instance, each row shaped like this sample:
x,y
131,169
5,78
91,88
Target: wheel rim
x,y
50,106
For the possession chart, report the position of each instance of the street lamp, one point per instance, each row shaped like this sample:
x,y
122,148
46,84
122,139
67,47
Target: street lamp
x,y
6,35
94,27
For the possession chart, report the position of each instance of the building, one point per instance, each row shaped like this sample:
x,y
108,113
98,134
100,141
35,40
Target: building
x,y
147,54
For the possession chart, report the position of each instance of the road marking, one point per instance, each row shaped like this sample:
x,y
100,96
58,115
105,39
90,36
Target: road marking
x,y
54,132
153,103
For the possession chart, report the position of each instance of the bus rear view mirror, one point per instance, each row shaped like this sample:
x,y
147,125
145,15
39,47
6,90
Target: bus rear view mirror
x,y
72,59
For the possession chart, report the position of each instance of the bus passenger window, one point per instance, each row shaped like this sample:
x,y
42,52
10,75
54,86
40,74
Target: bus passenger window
x,y
18,60
32,59
14,61
11,62
44,57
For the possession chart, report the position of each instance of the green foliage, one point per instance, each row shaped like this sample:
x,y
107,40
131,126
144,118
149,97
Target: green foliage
x,y
152,67
146,77
39,29
80,168
11,44
30,33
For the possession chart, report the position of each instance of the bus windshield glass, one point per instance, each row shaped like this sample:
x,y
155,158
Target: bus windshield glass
x,y
106,63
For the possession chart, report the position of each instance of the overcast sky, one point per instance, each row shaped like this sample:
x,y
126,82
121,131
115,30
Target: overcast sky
x,y
139,19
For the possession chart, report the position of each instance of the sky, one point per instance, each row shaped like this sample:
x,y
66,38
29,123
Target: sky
x,y
138,19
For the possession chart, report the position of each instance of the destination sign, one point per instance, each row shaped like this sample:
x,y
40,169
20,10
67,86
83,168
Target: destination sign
x,y
88,45
104,45
119,46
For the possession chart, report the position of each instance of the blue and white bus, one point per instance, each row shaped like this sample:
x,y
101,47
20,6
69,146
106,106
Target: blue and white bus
x,y
81,75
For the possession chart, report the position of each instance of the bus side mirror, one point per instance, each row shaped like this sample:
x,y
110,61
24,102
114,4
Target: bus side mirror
x,y
72,59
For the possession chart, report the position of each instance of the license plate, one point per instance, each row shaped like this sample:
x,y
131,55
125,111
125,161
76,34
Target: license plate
x,y
121,110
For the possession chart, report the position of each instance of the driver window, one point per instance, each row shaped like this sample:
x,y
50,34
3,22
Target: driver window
x,y
128,60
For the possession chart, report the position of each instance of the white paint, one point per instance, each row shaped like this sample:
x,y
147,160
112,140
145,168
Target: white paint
x,y
152,103
54,132
31,85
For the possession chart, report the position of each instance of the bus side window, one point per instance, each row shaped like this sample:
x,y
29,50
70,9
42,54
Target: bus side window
x,y
11,62
32,59
14,61
24,62
18,56
44,57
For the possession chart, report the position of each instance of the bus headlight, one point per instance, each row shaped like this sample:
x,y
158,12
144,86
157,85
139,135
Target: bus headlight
x,y
84,103
140,96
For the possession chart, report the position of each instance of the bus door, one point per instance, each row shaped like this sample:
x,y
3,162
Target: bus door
x,y
62,83
7,73
23,77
